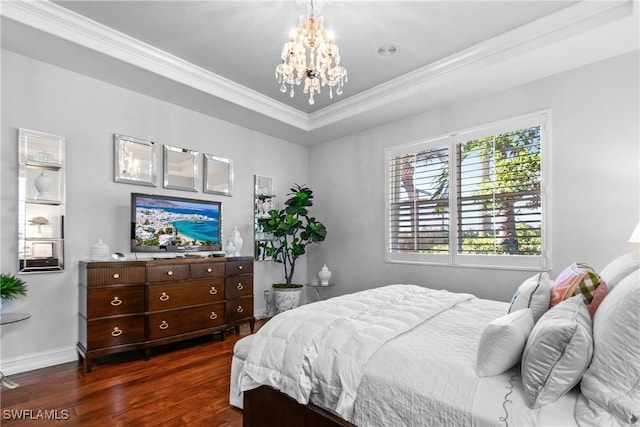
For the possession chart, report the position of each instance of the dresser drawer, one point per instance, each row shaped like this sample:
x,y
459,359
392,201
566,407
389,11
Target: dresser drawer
x,y
175,322
238,267
206,270
166,296
239,286
167,273
115,275
115,331
114,301
239,308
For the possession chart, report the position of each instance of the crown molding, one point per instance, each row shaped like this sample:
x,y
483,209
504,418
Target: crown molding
x,y
56,20
68,25
554,28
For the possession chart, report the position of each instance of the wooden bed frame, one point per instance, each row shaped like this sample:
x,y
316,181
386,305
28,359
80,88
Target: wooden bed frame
x,y
267,407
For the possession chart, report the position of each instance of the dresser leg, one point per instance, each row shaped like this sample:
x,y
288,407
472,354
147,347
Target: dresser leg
x,y
252,324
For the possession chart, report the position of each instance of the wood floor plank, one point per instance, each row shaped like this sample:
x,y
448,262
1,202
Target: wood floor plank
x,y
183,384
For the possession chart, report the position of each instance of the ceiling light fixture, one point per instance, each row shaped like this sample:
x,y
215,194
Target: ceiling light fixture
x,y
311,55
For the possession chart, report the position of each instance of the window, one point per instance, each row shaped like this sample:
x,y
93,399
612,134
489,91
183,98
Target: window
x,y
473,198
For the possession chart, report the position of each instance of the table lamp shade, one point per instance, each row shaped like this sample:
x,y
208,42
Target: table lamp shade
x,y
635,236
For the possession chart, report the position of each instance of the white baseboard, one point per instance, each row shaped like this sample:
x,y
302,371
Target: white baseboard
x,y
38,360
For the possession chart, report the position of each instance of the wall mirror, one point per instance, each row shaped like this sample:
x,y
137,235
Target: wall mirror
x,y
180,168
134,160
218,175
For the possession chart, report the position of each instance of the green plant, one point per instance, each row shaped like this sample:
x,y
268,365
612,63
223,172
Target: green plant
x,y
11,286
293,230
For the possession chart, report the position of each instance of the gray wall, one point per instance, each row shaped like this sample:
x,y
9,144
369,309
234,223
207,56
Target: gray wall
x,y
88,112
594,186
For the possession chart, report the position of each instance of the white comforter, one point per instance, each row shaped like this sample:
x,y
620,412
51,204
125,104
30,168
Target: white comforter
x,y
296,351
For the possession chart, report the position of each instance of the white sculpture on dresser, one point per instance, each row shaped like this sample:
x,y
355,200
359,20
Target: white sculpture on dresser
x,y
236,241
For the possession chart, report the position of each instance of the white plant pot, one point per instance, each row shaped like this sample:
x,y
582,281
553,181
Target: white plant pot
x,y
287,298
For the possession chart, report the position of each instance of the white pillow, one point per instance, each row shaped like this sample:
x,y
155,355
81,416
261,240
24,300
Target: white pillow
x,y
502,342
613,378
557,353
620,268
534,293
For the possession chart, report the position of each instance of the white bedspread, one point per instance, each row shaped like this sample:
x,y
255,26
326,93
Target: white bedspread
x,y
296,351
427,377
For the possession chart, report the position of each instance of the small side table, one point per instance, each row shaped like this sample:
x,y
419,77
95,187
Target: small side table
x,y
318,286
5,319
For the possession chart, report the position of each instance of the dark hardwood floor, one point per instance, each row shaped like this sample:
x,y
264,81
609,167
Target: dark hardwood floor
x,y
182,384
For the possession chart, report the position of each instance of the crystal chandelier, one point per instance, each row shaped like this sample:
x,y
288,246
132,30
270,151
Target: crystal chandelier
x,y
311,55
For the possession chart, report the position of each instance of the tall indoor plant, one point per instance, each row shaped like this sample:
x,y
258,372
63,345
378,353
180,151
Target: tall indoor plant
x,y
293,230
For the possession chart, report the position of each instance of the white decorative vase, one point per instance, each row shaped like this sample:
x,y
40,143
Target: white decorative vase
x,y
100,251
324,275
287,298
43,185
236,241
230,250
265,205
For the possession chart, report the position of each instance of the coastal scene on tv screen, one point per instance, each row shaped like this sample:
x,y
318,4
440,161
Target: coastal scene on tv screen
x,y
166,223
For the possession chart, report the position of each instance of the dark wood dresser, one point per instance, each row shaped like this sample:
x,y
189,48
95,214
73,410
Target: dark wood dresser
x,y
136,305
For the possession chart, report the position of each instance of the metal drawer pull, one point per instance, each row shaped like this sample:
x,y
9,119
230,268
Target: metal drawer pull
x,y
164,297
116,332
170,273
116,275
116,301
213,316
163,325
239,267
213,290
240,287
209,270
239,309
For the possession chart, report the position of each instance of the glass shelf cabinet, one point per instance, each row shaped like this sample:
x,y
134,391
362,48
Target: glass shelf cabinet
x,y
41,201
263,203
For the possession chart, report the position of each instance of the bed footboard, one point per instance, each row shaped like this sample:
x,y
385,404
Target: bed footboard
x,y
267,407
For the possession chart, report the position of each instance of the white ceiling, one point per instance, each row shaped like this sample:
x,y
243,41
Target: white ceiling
x,y
219,57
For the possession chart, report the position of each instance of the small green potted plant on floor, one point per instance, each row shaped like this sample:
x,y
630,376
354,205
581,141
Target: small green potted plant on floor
x,y
11,287
293,230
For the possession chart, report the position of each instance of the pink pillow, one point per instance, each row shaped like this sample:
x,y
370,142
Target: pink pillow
x,y
579,279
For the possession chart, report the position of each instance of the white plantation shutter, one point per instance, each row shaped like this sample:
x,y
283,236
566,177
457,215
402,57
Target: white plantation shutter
x,y
471,198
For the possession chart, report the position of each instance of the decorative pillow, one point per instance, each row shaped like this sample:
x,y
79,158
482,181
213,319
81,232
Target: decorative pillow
x,y
578,279
620,268
534,293
502,342
612,381
557,353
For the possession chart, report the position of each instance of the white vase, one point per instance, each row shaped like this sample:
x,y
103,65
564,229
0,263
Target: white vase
x,y
100,251
324,275
43,185
287,298
236,241
230,250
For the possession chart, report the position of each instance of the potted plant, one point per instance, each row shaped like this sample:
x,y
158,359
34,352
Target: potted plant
x,y
293,230
11,287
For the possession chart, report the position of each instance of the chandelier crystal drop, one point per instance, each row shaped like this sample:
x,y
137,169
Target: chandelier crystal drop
x,y
311,55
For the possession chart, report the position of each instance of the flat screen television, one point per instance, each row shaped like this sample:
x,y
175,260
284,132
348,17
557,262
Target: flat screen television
x,y
174,224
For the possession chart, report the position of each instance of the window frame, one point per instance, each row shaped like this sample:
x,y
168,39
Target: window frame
x,y
452,140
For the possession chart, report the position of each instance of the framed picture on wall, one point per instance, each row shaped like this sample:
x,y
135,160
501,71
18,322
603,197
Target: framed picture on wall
x,y
134,160
180,168
218,175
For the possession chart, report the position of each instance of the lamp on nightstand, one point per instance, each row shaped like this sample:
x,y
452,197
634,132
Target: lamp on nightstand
x,y
635,236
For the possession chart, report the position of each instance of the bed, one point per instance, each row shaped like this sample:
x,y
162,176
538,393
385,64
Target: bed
x,y
407,355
